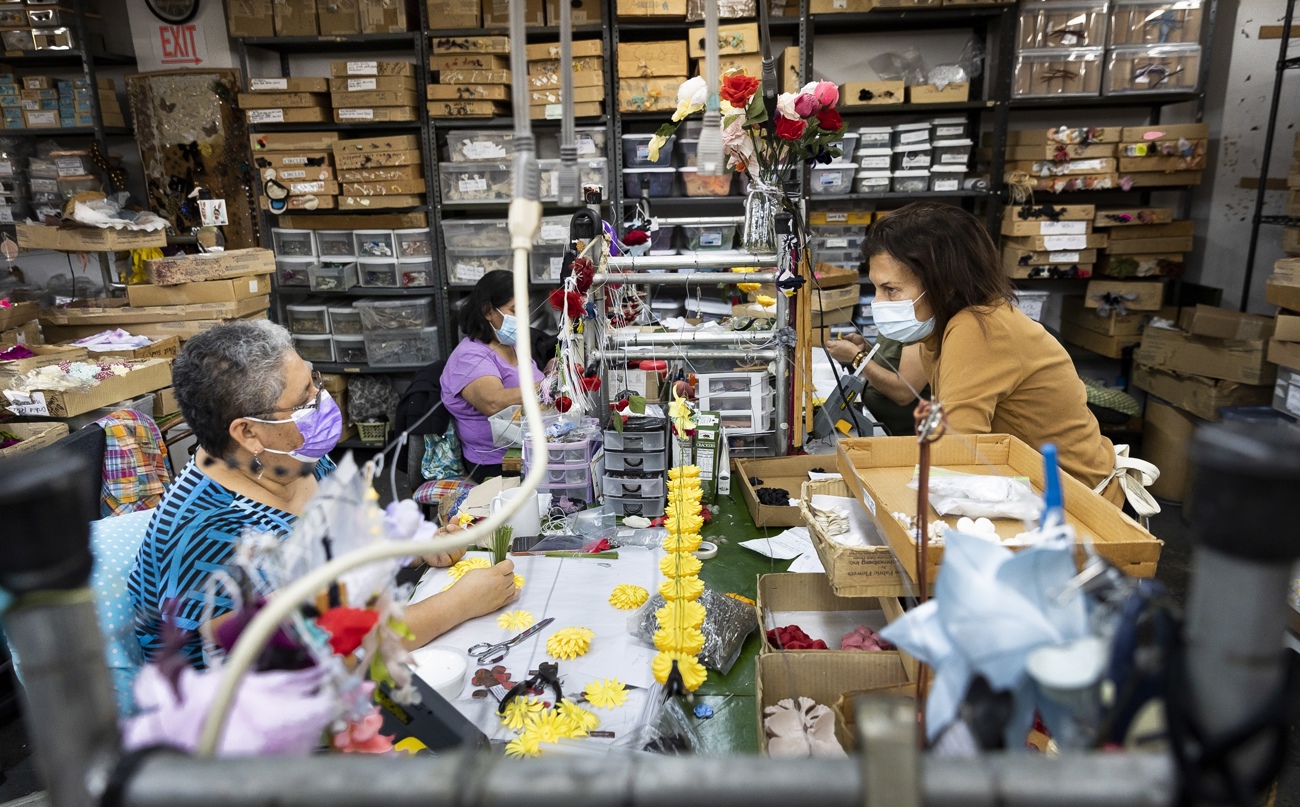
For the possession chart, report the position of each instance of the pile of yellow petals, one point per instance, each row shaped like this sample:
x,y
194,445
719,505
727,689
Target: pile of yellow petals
x,y
515,620
525,745
679,640
693,672
679,564
518,710
680,614
626,597
607,693
569,643
682,588
465,564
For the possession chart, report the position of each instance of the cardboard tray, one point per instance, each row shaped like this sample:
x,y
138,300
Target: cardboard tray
x,y
868,571
18,313
33,435
86,239
210,266
46,355
114,312
779,472
148,375
162,348
878,470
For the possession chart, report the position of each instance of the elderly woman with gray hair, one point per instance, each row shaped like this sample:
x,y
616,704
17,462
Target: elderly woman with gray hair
x,y
265,427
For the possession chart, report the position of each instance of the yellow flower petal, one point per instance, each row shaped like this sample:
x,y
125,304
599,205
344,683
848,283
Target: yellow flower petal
x,y
475,562
684,471
586,721
547,727
749,288
679,564
682,588
683,640
626,597
518,710
606,694
519,581
680,614
515,620
765,301
569,643
525,745
692,671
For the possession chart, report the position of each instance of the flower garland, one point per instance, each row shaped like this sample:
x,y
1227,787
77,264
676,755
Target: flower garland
x,y
679,639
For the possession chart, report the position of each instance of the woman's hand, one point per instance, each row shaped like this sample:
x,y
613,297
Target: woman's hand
x,y
486,590
846,350
444,559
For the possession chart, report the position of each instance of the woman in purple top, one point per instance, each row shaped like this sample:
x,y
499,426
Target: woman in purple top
x,y
482,374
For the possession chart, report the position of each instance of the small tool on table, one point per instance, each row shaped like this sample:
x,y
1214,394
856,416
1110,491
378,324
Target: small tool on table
x,y
488,653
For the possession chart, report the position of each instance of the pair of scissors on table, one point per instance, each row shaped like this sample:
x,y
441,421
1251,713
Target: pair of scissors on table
x,y
488,653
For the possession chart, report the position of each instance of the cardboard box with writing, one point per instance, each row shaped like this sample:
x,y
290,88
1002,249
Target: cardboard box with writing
x,y
547,51
496,13
840,6
648,94
787,473
1071,212
1112,324
1243,361
732,39
29,333
295,17
647,59
33,436
292,141
145,376
454,14
1283,286
852,571
165,347
1166,437
312,114
581,12
467,109
338,17
469,61
357,90
207,291
1164,133
86,239
1046,229
650,8
367,67
112,312
250,18
289,84
1054,136
1057,243
1109,345
285,100
46,356
1201,396
956,92
1024,263
377,114
462,45
210,266
385,221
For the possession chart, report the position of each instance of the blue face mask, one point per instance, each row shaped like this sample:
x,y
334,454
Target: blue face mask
x,y
508,331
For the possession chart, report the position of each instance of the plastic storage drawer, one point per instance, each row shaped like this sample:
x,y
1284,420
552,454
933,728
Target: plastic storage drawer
x,y
917,181
590,172
399,313
332,276
475,182
294,271
876,159
1062,24
475,234
640,486
293,243
545,263
335,244
909,134
589,140
345,321
746,422
314,348
576,494
307,319
713,384
708,234
831,179
635,462
952,152
413,243
378,273
652,182
875,137
646,508
950,128
1152,68
908,158
402,348
874,181
466,266
635,441
1060,73
415,272
636,151
350,349
474,145
751,445
374,243
566,475
561,453
696,184
947,178
847,146
1155,22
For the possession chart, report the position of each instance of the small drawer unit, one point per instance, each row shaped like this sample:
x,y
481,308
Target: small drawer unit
x,y
374,243
741,446
636,151
314,348
335,244
642,441
467,266
378,273
345,320
545,263
293,243
567,475
628,506
349,349
402,348
827,180
635,462
636,486
562,454
413,243
474,145
573,494
846,146
708,234
475,182
294,271
875,137
400,313
331,276
415,272
307,319
711,385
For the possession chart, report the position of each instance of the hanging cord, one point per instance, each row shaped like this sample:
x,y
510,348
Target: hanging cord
x,y
709,153
568,183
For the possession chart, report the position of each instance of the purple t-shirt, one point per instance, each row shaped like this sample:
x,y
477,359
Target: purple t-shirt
x,y
472,360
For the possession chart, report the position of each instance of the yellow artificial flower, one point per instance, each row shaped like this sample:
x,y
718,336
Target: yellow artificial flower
x,y
690,99
547,726
680,614
684,472
749,288
518,710
765,301
519,581
682,588
585,721
626,597
515,620
679,640
525,745
692,671
683,542
656,143
680,412
679,564
569,643
474,562
465,519
606,694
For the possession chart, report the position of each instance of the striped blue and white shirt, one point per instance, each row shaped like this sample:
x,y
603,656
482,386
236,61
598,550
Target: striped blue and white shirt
x,y
193,533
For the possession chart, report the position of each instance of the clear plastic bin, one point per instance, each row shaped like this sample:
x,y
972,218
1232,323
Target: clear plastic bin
x,y
848,145
825,180
567,475
876,159
626,506
416,272
475,182
1152,68
590,142
1062,24
1155,22
590,172
293,243
873,182
335,244
307,319
475,234
545,263
952,152
331,276
350,349
947,178
846,258
555,230
636,151
711,384
344,320
1058,73
476,145
402,348
398,313
294,271
468,265
374,243
909,158
909,134
875,137
634,441
697,185
314,348
708,234
955,128
751,445
687,151
575,494
71,186
638,486
746,421
377,273
661,240
414,243
917,181
635,462
851,240
652,182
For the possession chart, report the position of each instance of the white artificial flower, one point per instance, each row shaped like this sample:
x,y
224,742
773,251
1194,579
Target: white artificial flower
x,y
785,105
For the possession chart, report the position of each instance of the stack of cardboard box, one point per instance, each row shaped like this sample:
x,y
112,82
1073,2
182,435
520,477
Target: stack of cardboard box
x,y
473,77
1050,241
1144,242
544,99
315,17
41,102
1110,317
656,9
1163,155
373,91
286,100
1064,158
1283,290
649,74
109,107
296,170
738,47
380,173
11,101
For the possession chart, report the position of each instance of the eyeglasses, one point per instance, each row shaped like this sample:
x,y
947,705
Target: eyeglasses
x,y
314,403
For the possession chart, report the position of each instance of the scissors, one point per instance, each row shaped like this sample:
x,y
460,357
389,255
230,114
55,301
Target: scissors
x,y
483,650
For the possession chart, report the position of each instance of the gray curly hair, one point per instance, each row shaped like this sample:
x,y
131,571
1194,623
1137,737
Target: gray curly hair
x,y
228,372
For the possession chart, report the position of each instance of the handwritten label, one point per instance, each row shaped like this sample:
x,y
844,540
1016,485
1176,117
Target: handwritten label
x,y
27,405
1054,242
874,162
944,185
363,68
554,111
266,116
841,217
43,119
6,215
1063,257
263,84
252,286
914,137
356,114
1087,165
6,168
472,185
362,84
468,271
555,231
949,131
953,159
836,243
1063,228
299,174
483,150
586,146
557,264
69,166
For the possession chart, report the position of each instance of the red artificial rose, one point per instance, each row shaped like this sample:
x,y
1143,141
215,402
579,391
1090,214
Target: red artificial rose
x,y
561,300
563,404
585,272
347,627
635,238
591,383
737,89
829,120
788,129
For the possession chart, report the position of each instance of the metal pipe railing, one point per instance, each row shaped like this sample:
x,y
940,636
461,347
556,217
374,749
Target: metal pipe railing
x,y
688,279
673,339
697,261
681,353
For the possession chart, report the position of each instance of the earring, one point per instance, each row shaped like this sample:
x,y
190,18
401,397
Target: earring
x,y
256,465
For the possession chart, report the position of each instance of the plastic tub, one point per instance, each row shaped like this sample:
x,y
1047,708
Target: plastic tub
x,y
708,234
687,151
1032,302
335,244
637,486
950,128
416,272
466,266
402,348
711,384
475,234
847,147
555,230
1059,73
850,240
697,185
414,243
307,319
746,421
636,151
1155,22
567,475
314,348
590,172
590,142
575,494
635,462
908,158
952,152
294,271
1062,24
628,506
374,243
345,320
378,273
752,445
909,134
836,178
1152,68
293,243
398,313
652,182
475,145
634,441
545,263
875,137
475,182
876,159
947,178
332,276
350,349
917,181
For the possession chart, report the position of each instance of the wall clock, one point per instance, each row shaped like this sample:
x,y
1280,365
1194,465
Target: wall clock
x,y
173,11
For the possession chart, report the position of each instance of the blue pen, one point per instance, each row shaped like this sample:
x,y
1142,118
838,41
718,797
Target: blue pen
x,y
1053,499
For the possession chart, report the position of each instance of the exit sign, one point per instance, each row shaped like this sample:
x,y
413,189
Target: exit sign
x,y
181,45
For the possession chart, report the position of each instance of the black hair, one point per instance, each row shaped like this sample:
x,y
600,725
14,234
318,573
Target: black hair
x,y
493,290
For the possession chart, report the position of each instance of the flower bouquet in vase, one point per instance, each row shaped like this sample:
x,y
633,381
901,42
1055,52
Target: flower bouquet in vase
x,y
767,146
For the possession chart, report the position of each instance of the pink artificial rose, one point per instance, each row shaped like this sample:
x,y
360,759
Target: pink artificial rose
x,y
827,93
363,737
805,105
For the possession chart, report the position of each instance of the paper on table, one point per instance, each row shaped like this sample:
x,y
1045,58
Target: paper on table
x,y
786,545
807,563
815,476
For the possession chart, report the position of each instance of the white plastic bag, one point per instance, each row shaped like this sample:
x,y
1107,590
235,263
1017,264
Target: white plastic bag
x,y
507,428
953,493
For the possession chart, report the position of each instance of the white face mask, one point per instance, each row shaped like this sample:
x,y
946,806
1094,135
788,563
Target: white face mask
x,y
897,320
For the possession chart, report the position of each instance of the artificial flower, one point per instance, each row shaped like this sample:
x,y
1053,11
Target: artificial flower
x,y
692,671
563,404
591,383
679,640
569,643
606,693
519,581
785,106
680,412
682,588
684,472
737,89
829,120
515,620
685,542
635,238
548,726
347,627
807,729
738,144
749,288
626,597
827,93
690,98
679,564
864,638
790,129
680,614
805,105
363,737
765,301
657,142
569,302
584,271
525,745
465,564
585,721
518,711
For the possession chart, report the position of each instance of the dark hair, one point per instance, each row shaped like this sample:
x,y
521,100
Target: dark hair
x,y
493,290
949,251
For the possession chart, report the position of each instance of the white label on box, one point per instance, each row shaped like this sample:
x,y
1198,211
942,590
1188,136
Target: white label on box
x,y
6,168
555,231
1063,228
472,185
829,179
869,502
839,3
1055,242
256,84
919,136
1292,399
25,405
643,153
874,162
266,116
952,159
6,215
483,150
586,146
252,286
43,118
293,161
70,166
838,216
1063,257
554,111
1087,165
836,243
356,114
301,188
557,265
362,84
711,239
468,271
363,68
945,185
949,131
292,175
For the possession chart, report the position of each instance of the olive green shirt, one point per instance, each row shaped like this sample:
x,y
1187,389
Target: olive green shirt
x,y
896,419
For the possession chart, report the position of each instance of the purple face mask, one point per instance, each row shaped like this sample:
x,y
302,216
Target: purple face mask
x,y
320,427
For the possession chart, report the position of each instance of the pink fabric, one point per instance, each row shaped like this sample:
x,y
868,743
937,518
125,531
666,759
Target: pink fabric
x,y
470,361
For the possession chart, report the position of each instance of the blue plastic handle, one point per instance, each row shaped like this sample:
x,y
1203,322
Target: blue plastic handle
x,y
1053,498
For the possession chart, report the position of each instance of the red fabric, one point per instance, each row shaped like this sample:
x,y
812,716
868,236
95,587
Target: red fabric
x,y
635,238
567,301
347,627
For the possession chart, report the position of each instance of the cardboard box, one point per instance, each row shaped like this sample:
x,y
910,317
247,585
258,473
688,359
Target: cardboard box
x,y
788,473
555,111
464,45
382,174
114,312
295,17
588,71
830,276
839,6
871,93
1013,213
645,59
86,239
581,95
1291,240
1128,165
581,12
165,347
337,17
1046,229
369,84
249,18
388,114
1284,354
145,376
29,333
208,291
648,94
368,145
33,436
1165,133
1138,295
791,70
1058,243
1286,392
309,202
474,77
292,141
46,356
375,159
18,313
1157,179
164,403
854,218
1170,349
317,114
1111,346
1052,169
1166,439
382,16
1283,286
393,188
454,14
1024,263
1075,312
1142,265
732,39
1223,323
650,8
394,202
546,51
1038,153
468,92
210,266
496,13
272,100
467,109
1287,328
362,68
385,221
751,64
1147,246
1063,135
290,85
646,383
1196,394
867,571
469,61
955,92
878,470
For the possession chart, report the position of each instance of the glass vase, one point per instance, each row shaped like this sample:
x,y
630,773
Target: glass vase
x,y
762,205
